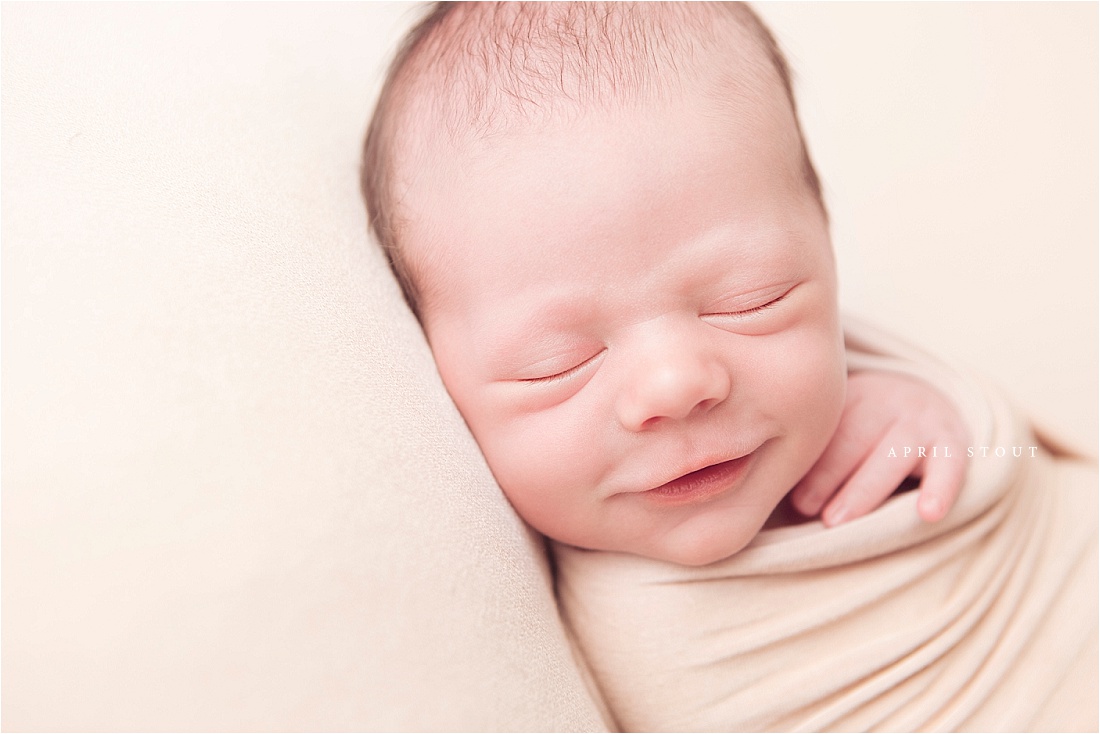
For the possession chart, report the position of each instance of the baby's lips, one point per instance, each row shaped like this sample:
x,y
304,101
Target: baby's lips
x,y
702,484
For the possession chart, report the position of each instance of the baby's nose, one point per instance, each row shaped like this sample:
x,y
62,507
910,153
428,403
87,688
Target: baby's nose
x,y
678,382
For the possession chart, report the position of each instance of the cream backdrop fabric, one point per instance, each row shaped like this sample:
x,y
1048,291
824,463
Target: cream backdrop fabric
x,y
235,494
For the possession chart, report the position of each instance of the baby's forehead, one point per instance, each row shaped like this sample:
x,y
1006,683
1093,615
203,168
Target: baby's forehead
x,y
470,73
484,67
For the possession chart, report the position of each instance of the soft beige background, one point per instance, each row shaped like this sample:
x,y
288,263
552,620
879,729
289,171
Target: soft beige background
x,y
235,494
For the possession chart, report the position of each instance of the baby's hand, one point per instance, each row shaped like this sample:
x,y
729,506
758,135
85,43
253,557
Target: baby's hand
x,y
856,474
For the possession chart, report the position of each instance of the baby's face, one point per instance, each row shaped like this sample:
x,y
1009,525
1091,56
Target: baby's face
x,y
636,314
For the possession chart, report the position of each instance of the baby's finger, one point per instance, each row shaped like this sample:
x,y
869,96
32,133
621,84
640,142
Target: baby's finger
x,y
940,485
874,481
841,457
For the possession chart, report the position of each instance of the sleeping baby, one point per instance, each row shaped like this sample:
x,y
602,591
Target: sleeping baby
x,y
607,222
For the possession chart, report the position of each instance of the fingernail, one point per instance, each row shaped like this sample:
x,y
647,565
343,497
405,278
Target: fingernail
x,y
932,507
836,517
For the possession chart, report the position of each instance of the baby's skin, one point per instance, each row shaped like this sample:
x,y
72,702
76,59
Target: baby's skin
x,y
636,313
634,307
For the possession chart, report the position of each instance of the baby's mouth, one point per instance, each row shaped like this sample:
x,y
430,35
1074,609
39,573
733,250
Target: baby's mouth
x,y
701,485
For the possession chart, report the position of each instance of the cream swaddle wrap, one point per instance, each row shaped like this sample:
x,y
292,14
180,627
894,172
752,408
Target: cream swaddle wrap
x,y
984,621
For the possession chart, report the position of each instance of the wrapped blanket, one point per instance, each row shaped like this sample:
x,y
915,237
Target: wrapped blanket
x,y
986,620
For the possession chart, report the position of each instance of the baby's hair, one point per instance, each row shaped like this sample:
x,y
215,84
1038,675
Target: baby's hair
x,y
475,68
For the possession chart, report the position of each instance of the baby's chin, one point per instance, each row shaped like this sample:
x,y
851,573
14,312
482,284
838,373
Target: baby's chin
x,y
684,549
723,532
705,541
703,550
701,553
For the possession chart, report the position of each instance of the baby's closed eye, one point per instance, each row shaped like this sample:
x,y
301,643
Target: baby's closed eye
x,y
748,311
553,374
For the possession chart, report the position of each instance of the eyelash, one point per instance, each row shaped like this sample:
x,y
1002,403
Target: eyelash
x,y
754,309
564,374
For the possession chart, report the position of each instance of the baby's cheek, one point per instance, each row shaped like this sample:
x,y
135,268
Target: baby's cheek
x,y
816,379
544,467
825,401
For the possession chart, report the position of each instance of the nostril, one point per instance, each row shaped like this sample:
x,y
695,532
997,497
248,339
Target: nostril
x,y
701,408
705,405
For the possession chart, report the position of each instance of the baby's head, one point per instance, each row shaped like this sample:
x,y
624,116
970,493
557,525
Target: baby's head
x,y
606,220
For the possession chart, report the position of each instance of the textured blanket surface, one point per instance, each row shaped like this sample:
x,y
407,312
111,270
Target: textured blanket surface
x,y
986,620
